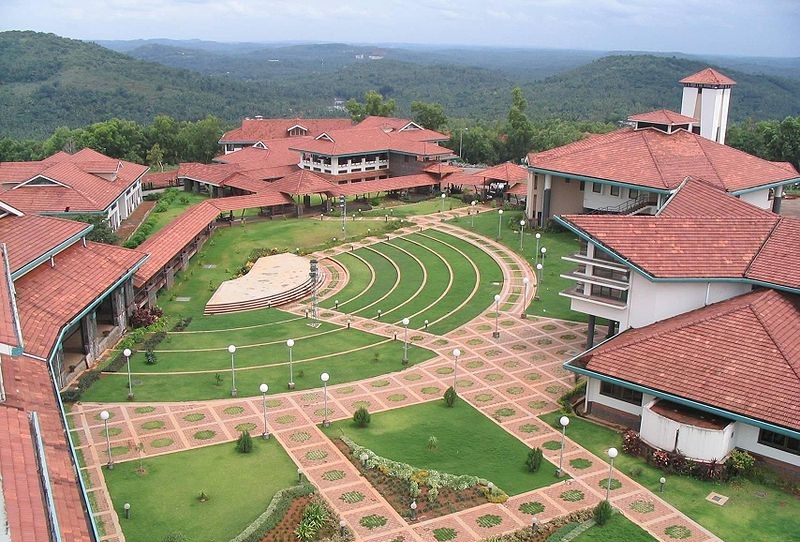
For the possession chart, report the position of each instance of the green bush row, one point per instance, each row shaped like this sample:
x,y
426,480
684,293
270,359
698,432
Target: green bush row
x,y
277,508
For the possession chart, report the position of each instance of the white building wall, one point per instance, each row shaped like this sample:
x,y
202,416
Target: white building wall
x,y
693,442
759,198
723,122
710,112
746,438
593,200
593,394
689,102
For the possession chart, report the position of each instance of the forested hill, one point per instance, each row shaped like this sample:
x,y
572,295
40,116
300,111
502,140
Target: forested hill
x,y
47,81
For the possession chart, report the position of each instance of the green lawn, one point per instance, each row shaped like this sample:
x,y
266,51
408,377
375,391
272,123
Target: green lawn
x,y
741,519
469,443
182,201
549,304
396,208
164,499
618,529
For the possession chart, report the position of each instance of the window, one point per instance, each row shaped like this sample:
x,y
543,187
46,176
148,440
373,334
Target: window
x,y
612,274
603,255
781,442
583,186
623,394
597,188
609,293
633,193
614,190
584,247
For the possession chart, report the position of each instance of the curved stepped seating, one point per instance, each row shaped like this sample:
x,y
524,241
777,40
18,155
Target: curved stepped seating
x,y
282,298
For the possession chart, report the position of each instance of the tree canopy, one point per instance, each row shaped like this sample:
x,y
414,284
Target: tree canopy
x,y
374,105
428,115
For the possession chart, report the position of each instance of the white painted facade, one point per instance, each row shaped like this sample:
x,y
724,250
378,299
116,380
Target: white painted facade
x,y
710,106
124,205
759,198
746,438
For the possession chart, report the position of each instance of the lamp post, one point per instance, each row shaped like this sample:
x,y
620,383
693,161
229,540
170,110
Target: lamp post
x,y
413,510
325,377
456,355
496,333
612,453
444,196
661,482
104,415
536,254
127,508
232,351
539,274
127,353
405,340
564,421
473,204
521,233
264,389
290,344
499,224
543,252
525,282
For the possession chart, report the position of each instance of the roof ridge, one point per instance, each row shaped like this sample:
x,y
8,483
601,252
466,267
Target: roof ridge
x,y
795,370
763,244
653,158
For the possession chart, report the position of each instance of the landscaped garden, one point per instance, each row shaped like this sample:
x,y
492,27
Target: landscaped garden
x,y
210,493
754,512
549,304
169,205
617,529
432,438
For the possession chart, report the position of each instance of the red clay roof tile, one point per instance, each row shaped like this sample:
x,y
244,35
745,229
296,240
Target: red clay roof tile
x,y
707,76
254,130
696,197
662,116
28,237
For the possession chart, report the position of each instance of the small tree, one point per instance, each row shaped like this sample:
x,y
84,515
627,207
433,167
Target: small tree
x,y
150,357
450,396
603,512
362,417
433,443
244,444
534,460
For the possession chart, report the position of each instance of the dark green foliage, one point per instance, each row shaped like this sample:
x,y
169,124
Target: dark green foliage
x,y
281,504
101,232
428,115
450,396
362,417
244,444
534,459
603,512
314,516
374,105
769,139
150,358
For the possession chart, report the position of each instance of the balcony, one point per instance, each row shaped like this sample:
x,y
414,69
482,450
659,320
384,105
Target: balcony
x,y
698,435
344,168
577,294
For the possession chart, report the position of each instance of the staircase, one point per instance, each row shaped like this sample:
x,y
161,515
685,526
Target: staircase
x,y
282,298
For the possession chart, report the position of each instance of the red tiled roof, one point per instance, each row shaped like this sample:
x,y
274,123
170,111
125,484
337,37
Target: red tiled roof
x,y
28,237
653,159
10,333
778,261
264,198
663,116
29,388
725,355
696,197
278,153
214,174
519,189
403,182
395,125
303,182
369,140
161,179
707,76
255,130
243,182
681,247
507,171
442,168
49,297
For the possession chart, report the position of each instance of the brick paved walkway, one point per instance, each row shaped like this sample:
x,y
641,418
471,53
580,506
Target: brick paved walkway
x,y
511,380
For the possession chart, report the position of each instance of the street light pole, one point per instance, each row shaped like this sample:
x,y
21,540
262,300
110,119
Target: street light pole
x,y
456,355
406,321
325,377
232,350
500,224
544,253
444,196
612,453
290,344
539,275
496,333
521,233
536,254
104,415
564,421
264,389
127,353
473,204
525,282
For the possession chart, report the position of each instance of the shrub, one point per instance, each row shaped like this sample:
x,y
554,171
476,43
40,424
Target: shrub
x,y
143,317
740,462
314,516
244,444
150,358
661,459
362,417
534,460
603,512
631,442
433,443
450,396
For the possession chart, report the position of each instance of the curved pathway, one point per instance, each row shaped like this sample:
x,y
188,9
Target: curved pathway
x,y
511,380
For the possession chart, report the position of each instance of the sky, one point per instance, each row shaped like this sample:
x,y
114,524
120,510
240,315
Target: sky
x,y
734,27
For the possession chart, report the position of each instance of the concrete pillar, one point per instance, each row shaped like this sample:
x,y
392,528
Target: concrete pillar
x,y
548,181
151,297
777,199
169,277
118,307
590,332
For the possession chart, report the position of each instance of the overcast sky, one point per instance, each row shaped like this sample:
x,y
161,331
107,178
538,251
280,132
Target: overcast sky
x,y
740,27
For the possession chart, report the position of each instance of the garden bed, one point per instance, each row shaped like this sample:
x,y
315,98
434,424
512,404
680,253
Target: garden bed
x,y
395,491
284,530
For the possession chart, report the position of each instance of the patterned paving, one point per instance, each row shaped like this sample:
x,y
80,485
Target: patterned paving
x,y
511,380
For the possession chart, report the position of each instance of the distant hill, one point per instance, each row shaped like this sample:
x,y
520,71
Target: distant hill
x,y
48,81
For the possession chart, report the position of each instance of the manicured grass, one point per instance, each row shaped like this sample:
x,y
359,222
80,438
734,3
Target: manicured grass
x,y
396,208
359,276
618,529
742,519
182,201
549,304
468,443
164,499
